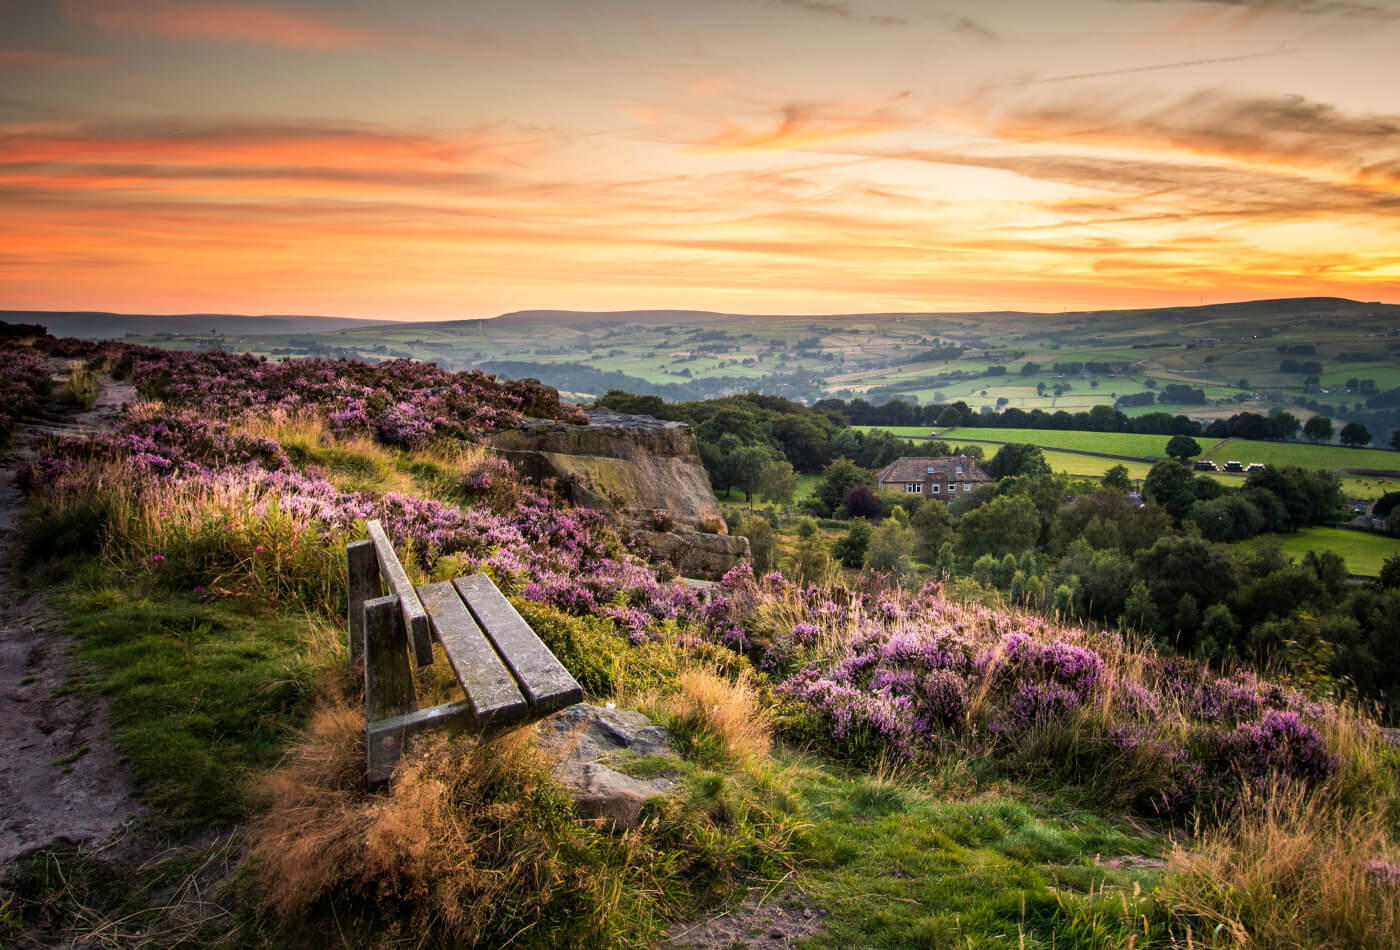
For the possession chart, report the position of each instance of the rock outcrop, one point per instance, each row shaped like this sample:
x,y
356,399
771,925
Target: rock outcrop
x,y
644,472
584,739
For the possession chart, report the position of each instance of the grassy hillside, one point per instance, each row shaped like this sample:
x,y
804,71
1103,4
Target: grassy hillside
x,y
915,769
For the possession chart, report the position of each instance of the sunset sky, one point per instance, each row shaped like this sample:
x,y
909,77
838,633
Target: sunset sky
x,y
442,158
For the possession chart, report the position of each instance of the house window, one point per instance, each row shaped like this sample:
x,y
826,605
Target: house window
x,y
913,488
967,486
957,469
933,488
952,487
930,469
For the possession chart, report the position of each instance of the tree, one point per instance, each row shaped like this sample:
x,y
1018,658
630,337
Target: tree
x,y
746,464
1390,572
1285,424
763,543
837,481
1117,479
1395,440
933,528
810,561
778,482
850,548
1318,429
860,502
889,549
1355,434
1007,523
1018,458
1178,565
1169,485
1183,447
949,418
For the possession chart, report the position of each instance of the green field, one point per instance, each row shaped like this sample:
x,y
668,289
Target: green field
x,y
1333,458
1104,445
1100,443
1364,552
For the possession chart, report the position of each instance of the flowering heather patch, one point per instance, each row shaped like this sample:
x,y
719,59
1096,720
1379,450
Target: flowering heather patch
x,y
916,675
401,403
180,441
24,382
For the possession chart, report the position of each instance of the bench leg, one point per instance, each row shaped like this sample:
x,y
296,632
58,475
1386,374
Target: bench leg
x,y
362,572
388,683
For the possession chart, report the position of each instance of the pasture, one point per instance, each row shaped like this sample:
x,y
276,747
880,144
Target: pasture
x,y
1363,551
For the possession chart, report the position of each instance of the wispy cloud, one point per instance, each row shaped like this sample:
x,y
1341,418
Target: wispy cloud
x,y
799,125
837,9
1290,133
1335,8
43,57
975,31
267,24
1155,67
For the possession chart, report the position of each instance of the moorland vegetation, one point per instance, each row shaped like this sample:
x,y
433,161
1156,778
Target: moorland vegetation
x,y
925,764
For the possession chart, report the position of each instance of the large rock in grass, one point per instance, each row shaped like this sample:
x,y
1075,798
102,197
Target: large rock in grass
x,y
644,472
588,742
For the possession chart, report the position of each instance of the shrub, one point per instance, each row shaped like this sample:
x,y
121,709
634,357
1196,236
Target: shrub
x,y
81,388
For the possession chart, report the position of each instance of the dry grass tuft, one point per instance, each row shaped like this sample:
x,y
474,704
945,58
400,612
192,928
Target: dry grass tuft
x,y
718,716
1292,873
471,842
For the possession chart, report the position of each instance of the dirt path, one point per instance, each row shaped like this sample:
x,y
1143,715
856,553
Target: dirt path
x,y
60,777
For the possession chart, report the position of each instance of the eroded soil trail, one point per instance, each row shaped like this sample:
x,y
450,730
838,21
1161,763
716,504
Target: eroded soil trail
x,y
61,780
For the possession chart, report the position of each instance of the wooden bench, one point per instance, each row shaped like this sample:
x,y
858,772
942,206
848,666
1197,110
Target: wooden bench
x,y
509,676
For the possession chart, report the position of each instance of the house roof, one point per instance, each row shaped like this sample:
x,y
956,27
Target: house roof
x,y
909,469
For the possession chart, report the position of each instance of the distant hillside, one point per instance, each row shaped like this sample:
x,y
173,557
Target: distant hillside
x,y
96,325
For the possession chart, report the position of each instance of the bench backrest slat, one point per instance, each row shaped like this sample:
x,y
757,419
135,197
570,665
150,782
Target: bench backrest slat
x,y
388,673
414,616
362,570
489,686
544,681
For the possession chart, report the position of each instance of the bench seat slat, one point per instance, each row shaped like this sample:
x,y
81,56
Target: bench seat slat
x,y
544,681
414,616
488,684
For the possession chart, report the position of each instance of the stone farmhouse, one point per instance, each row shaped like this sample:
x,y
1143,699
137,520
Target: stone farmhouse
x,y
939,477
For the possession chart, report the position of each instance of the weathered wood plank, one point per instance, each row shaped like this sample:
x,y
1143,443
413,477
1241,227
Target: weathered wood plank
x,y
485,679
414,616
544,681
386,738
388,674
362,574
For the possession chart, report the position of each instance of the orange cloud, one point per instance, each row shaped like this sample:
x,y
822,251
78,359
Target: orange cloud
x,y
801,126
1286,133
181,147
44,57
231,22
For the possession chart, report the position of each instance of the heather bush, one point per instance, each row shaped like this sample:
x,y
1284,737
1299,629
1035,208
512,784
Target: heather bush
x,y
401,403
24,385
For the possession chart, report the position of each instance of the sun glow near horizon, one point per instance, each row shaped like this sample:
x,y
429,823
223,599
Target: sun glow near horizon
x,y
777,157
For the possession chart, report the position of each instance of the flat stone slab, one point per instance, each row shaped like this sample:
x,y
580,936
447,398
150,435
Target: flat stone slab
x,y
584,738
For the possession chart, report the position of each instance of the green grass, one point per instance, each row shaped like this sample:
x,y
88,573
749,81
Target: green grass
x,y
1104,443
204,694
81,389
806,485
898,864
1333,458
1364,552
